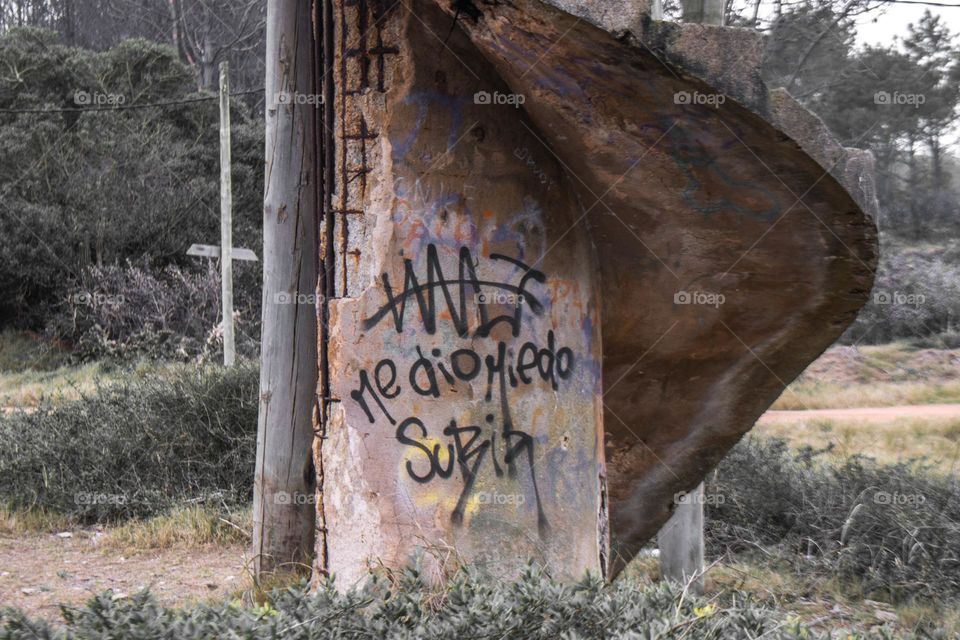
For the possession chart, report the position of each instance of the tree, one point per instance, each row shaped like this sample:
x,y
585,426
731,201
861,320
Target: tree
x,y
104,187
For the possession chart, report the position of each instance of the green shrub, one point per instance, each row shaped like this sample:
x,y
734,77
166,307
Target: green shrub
x,y
891,529
172,313
135,448
472,607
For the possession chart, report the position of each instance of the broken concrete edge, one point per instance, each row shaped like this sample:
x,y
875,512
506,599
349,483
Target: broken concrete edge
x,y
702,52
730,59
617,18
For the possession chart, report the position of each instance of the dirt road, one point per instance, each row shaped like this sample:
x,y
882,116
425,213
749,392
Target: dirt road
x,y
866,414
38,572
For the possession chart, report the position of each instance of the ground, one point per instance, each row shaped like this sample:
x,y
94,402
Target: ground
x,y
889,402
42,570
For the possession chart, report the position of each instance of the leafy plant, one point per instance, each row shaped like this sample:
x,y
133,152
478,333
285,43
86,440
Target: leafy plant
x,y
135,448
473,606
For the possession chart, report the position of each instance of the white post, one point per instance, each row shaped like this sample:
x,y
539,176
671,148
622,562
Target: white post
x,y
681,542
226,219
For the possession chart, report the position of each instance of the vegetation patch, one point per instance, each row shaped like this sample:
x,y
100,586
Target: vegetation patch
x,y
888,531
135,448
471,606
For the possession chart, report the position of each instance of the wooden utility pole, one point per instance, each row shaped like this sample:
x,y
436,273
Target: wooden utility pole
x,y
703,11
226,220
284,484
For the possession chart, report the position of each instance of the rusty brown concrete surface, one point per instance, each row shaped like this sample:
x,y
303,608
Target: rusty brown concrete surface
x,y
735,237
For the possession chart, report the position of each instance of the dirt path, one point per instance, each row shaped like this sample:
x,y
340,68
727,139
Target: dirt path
x,y
866,414
37,572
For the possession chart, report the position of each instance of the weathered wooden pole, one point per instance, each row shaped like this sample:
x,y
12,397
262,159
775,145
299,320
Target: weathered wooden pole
x,y
703,11
226,219
283,506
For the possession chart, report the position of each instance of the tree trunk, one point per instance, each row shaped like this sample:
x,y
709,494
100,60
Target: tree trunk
x,y
283,511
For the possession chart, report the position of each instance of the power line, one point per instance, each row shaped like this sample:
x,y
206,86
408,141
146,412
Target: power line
x,y
932,4
124,107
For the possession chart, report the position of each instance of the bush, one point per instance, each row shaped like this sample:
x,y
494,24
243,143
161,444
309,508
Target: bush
x,y
892,529
915,296
134,310
470,608
102,187
135,448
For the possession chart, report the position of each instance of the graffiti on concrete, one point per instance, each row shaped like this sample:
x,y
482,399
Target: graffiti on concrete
x,y
499,443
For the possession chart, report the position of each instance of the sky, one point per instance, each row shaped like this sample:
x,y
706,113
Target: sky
x,y
882,26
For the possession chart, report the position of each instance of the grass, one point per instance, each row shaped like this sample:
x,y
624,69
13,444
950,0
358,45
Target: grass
x,y
876,376
937,441
192,526
20,351
136,446
812,394
32,370
821,602
825,599
18,522
181,527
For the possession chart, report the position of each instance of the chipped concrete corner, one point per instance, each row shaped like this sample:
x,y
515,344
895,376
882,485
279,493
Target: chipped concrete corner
x,y
503,180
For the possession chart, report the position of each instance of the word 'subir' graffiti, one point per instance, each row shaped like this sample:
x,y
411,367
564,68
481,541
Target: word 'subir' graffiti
x,y
469,448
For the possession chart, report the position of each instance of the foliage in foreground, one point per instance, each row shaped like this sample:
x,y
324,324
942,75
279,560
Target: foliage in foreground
x,y
470,607
135,448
